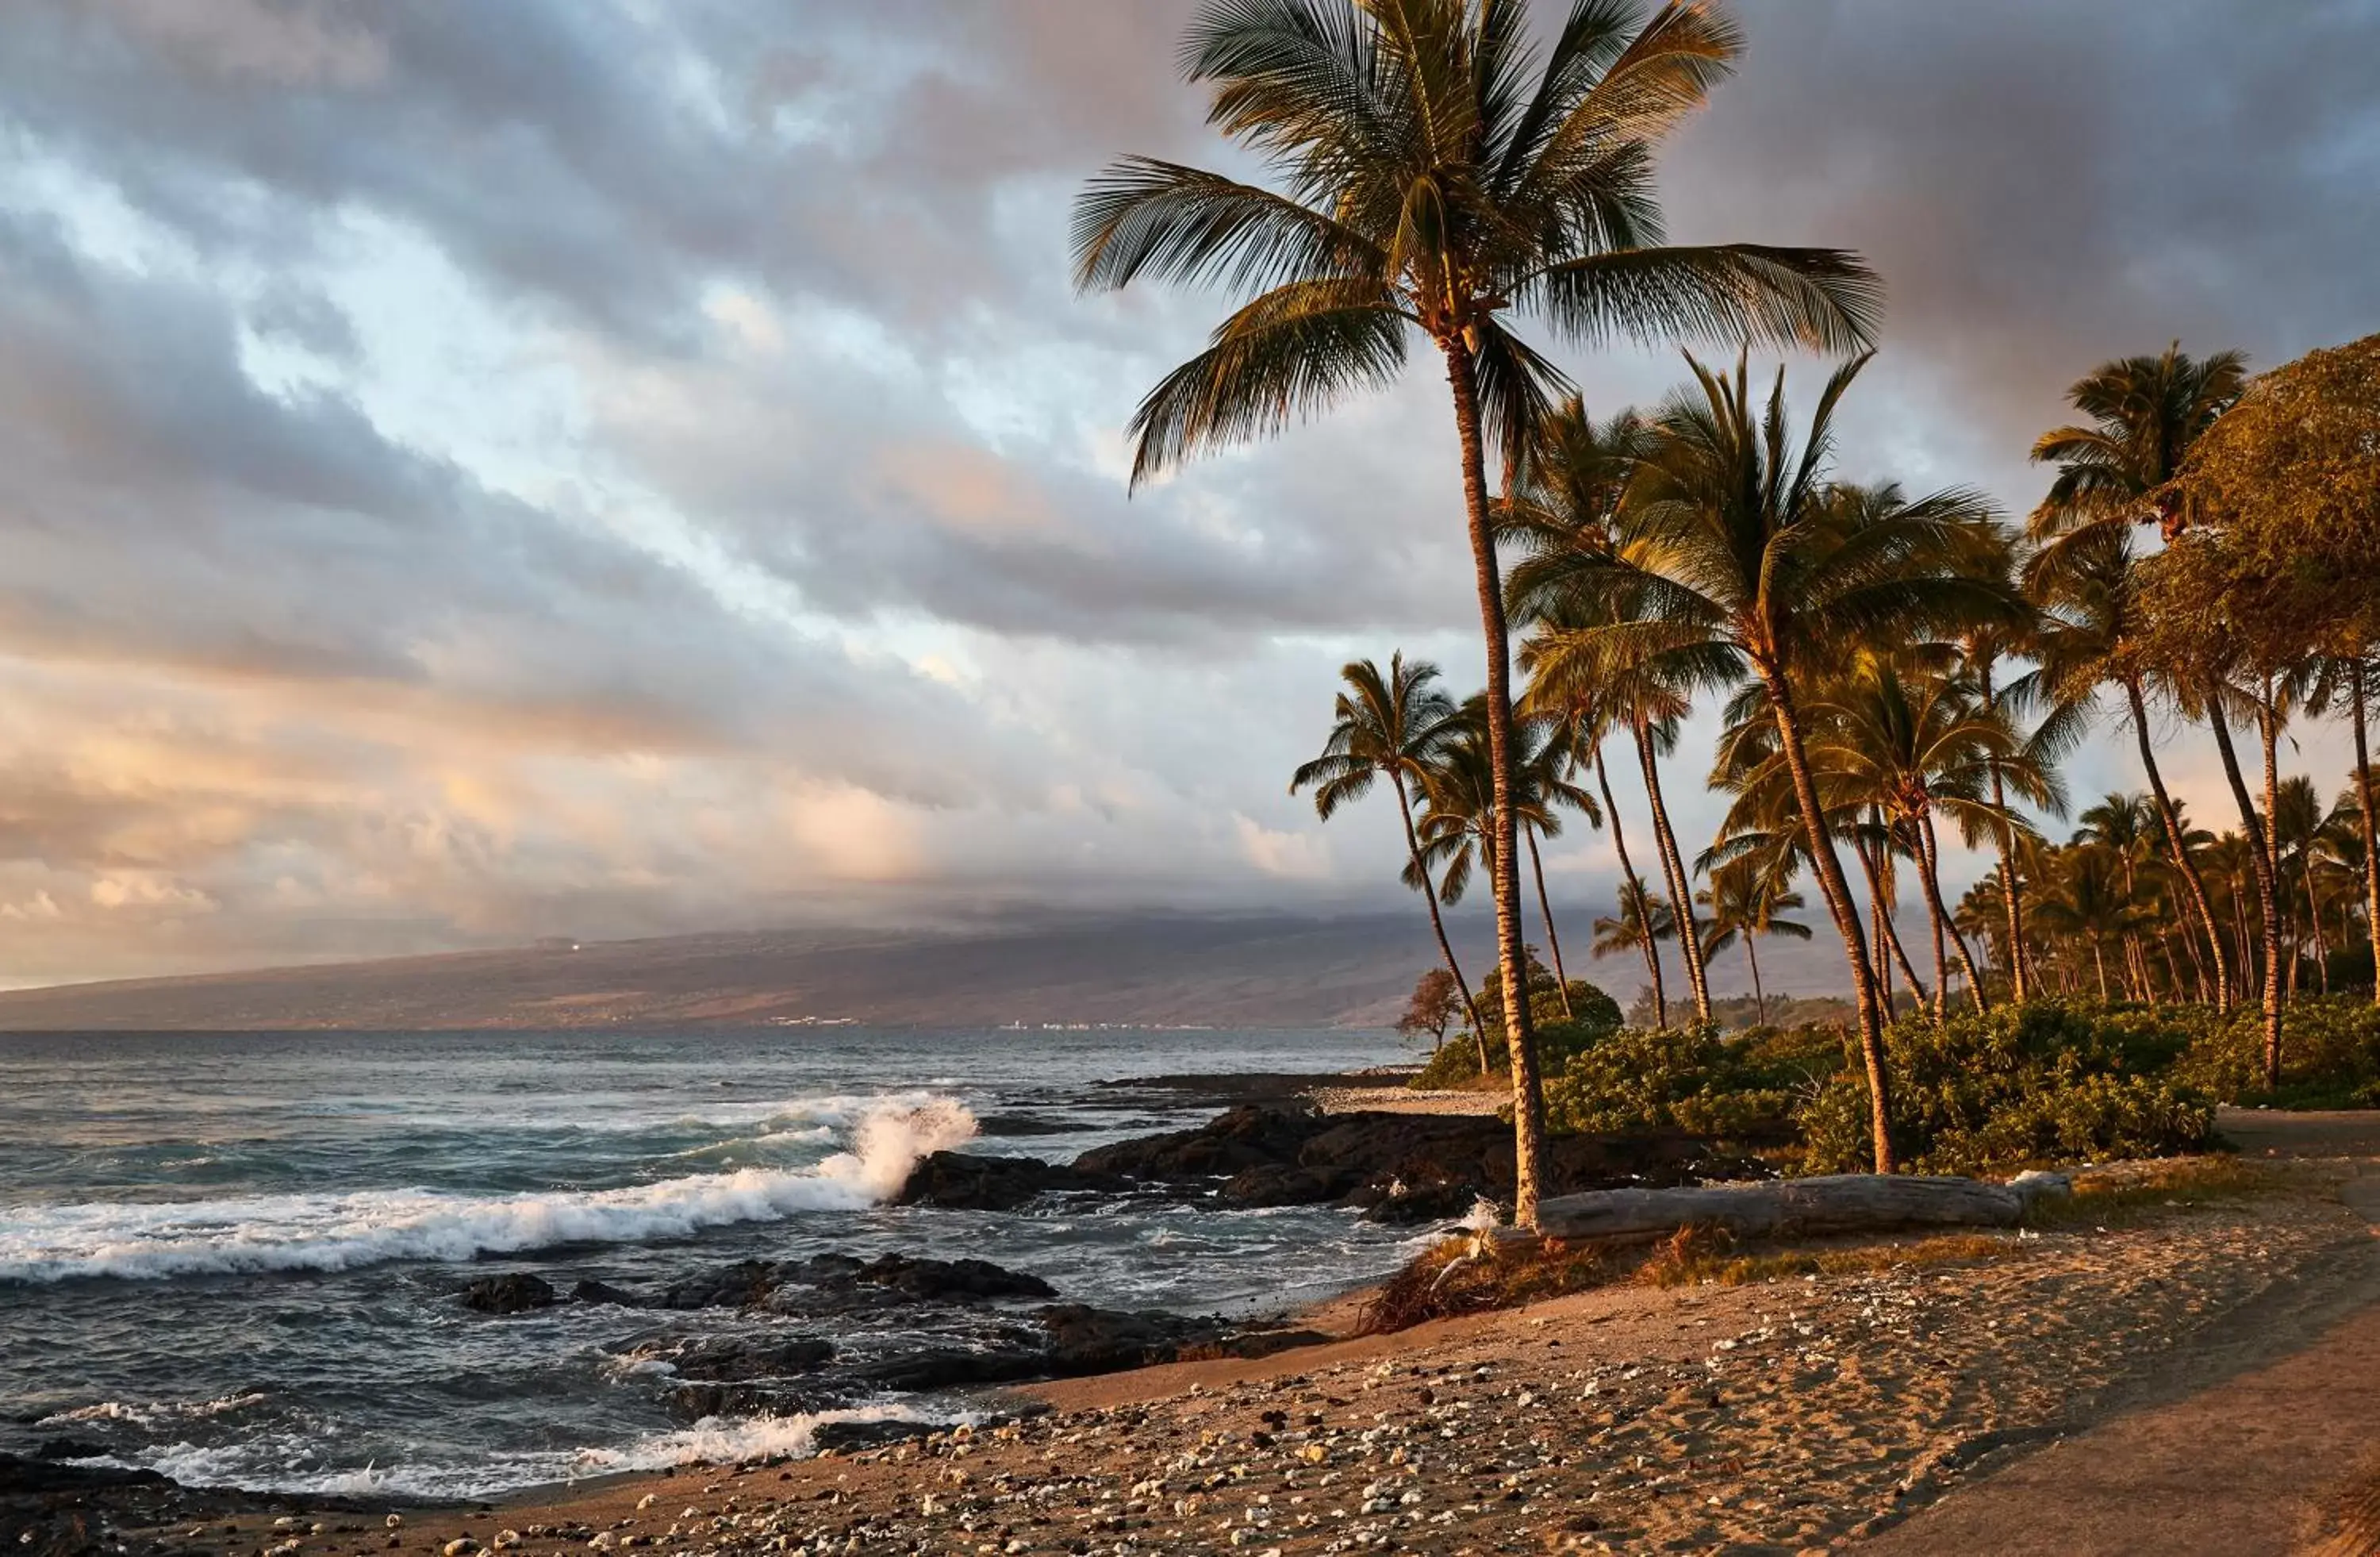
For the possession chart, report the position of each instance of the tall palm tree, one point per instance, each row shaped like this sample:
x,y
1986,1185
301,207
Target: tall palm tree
x,y
1914,741
1579,720
1740,558
2088,639
2144,412
1388,727
1746,903
1435,170
1574,480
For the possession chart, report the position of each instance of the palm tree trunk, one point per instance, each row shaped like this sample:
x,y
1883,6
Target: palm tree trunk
x,y
1759,995
1886,928
1932,866
2313,928
1876,928
2260,864
1546,910
1628,872
2099,957
1528,1097
2174,845
1933,922
1674,865
1846,915
2371,850
1437,921
2004,835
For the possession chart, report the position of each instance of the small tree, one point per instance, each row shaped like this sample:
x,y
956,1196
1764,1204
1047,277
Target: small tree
x,y
1437,1004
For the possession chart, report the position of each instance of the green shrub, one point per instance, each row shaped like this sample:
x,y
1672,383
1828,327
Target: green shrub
x,y
1690,1079
1594,1015
2044,1082
2330,1055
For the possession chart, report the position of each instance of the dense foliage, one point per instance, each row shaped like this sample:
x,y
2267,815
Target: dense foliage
x,y
2044,1082
2049,1081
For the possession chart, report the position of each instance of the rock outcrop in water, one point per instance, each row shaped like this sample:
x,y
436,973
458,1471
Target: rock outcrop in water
x,y
1396,1167
515,1294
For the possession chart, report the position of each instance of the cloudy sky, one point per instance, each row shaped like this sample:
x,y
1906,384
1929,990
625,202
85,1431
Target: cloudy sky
x,y
481,469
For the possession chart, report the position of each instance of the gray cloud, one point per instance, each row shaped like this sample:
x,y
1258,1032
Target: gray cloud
x,y
756,544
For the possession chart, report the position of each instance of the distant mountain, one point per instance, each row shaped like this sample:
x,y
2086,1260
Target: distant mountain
x,y
1236,972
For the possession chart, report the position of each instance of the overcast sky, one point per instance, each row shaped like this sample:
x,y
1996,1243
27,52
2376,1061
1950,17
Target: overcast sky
x,y
483,470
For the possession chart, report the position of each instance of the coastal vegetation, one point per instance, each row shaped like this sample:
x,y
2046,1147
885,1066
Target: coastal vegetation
x,y
1893,675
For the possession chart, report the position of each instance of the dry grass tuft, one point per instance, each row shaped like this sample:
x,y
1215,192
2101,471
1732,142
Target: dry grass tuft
x,y
2131,1193
1707,1256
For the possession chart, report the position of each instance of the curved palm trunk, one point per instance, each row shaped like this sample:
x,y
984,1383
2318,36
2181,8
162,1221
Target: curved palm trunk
x,y
1846,915
2099,959
1437,921
1528,1098
2314,930
1674,865
1636,885
1546,910
2178,850
1759,995
2371,851
2004,836
1886,931
1932,873
2260,865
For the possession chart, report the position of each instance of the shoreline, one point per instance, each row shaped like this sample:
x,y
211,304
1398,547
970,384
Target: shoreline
x,y
1768,1414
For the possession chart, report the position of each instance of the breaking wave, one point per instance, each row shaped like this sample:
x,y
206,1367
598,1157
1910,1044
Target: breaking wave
x,y
43,1244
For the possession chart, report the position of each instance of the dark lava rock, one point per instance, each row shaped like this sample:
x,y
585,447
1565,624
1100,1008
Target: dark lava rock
x,y
604,1292
1397,1167
19,1476
1276,1184
515,1294
841,1284
731,1358
958,1181
68,1449
1020,1124
949,1281
731,1287
1233,1142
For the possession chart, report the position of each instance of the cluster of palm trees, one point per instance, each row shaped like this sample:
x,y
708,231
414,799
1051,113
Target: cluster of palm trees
x,y
2112,914
1888,666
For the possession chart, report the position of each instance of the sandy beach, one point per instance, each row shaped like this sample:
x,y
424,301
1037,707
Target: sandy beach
x,y
1780,1415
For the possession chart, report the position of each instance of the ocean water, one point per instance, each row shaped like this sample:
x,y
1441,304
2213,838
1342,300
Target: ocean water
x,y
236,1257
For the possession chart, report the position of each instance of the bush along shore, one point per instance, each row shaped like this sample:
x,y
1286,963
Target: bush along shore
x,y
2045,1082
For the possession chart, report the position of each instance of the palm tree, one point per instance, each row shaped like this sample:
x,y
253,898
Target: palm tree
x,y
1740,557
1434,170
2090,904
2146,413
1747,903
2089,640
1547,762
1388,727
1914,741
1573,483
1642,922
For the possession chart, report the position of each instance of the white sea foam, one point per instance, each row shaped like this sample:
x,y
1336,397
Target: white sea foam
x,y
341,1232
722,1440
154,1412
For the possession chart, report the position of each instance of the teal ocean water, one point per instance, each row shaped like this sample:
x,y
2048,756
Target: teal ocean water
x,y
236,1257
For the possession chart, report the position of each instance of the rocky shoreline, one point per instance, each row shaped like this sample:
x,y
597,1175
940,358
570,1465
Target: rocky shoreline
x,y
1780,1416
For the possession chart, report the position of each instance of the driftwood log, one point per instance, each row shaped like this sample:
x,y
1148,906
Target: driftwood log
x,y
1836,1203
